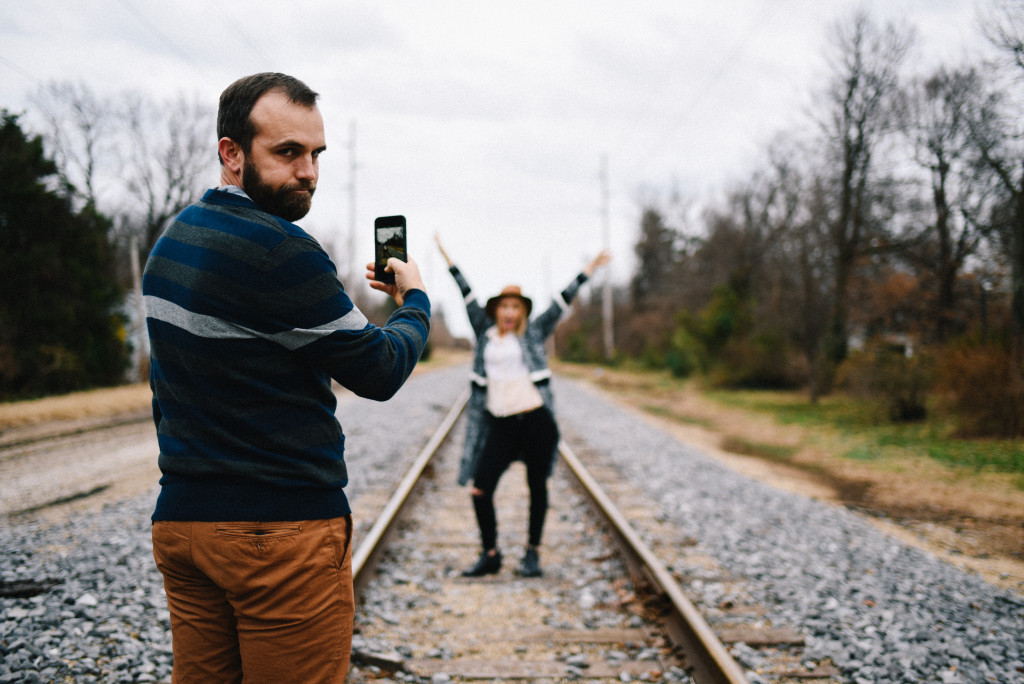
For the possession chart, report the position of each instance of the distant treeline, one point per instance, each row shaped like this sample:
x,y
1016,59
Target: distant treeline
x,y
879,248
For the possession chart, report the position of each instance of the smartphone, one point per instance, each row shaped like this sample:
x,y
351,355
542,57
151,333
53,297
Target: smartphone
x,y
388,241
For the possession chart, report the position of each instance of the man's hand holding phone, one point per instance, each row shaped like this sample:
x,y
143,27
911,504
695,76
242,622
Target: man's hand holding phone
x,y
406,277
392,271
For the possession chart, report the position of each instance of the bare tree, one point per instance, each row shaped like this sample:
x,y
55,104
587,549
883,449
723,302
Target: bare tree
x,y
997,133
798,263
1003,26
743,235
937,122
80,131
771,243
809,247
866,63
137,160
168,156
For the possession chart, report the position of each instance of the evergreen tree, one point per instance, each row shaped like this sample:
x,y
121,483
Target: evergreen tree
x,y
656,257
59,326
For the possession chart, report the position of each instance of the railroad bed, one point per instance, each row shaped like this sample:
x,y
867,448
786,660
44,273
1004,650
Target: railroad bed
x,y
850,597
581,620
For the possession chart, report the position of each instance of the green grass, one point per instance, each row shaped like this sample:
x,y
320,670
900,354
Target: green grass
x,y
863,425
666,412
863,453
773,452
1000,456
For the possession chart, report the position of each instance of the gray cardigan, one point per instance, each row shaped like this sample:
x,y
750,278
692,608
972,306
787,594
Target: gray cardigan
x,y
532,342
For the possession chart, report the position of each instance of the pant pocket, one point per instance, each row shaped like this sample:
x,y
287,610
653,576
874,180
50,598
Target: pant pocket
x,y
258,530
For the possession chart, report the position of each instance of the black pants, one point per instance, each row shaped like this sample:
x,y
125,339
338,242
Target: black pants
x,y
528,437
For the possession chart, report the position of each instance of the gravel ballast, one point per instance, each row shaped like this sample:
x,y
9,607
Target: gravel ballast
x,y
105,618
882,611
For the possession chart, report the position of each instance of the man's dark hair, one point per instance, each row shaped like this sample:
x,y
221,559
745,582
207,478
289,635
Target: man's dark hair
x,y
238,99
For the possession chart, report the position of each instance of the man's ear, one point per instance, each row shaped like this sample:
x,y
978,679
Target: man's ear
x,y
231,155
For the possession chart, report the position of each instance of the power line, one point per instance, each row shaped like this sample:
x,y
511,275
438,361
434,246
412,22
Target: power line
x,y
699,23
21,72
238,31
717,74
167,40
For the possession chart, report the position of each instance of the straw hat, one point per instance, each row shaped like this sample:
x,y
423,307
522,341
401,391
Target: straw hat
x,y
508,291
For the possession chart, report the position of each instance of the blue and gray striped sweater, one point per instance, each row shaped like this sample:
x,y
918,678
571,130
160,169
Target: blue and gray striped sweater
x,y
248,323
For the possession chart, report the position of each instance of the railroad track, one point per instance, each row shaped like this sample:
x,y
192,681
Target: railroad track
x,y
607,609
885,613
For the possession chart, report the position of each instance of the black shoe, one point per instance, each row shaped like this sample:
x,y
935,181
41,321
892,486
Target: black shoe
x,y
487,564
531,564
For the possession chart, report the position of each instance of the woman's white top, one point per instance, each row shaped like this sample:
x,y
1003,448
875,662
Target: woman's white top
x,y
509,388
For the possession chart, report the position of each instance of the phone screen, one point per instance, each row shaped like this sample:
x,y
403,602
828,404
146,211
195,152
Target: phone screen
x,y
389,241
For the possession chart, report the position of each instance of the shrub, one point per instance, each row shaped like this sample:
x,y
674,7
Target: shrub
x,y
685,354
984,389
764,361
902,380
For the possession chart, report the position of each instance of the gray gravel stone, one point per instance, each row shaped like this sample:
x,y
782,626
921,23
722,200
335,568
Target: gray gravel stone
x,y
106,619
881,610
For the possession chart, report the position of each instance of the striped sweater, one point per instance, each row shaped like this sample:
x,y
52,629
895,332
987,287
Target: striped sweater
x,y
248,323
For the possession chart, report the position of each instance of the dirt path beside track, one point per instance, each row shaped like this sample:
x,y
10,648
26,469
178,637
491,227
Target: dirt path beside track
x,y
974,522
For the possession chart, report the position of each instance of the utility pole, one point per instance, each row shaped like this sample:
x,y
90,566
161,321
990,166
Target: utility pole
x,y
141,338
606,302
352,258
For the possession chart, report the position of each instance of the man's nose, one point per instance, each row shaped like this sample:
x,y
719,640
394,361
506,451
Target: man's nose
x,y
307,168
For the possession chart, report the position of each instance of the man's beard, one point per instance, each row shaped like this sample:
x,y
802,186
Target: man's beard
x,y
283,201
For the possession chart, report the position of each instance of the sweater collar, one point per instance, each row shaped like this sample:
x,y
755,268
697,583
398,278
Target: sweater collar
x,y
229,194
234,190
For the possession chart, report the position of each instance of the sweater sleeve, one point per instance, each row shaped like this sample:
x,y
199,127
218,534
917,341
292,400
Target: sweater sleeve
x,y
375,362
548,319
316,318
478,318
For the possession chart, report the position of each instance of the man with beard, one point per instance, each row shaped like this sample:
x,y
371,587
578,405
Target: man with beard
x,y
248,325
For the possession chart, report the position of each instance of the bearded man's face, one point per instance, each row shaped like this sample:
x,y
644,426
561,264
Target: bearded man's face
x,y
282,164
290,201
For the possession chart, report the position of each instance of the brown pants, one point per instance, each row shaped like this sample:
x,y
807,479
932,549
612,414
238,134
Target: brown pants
x,y
258,602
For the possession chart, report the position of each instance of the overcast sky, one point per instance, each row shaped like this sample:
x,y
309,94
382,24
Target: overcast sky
x,y
487,122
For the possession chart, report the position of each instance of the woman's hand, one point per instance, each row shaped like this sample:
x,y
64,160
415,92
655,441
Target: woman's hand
x,y
600,260
437,239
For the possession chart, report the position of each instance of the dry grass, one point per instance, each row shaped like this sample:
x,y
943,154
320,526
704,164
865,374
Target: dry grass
x,y
99,403
972,518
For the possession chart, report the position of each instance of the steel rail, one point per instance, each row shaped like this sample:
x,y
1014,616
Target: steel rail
x,y
365,557
711,662
707,657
